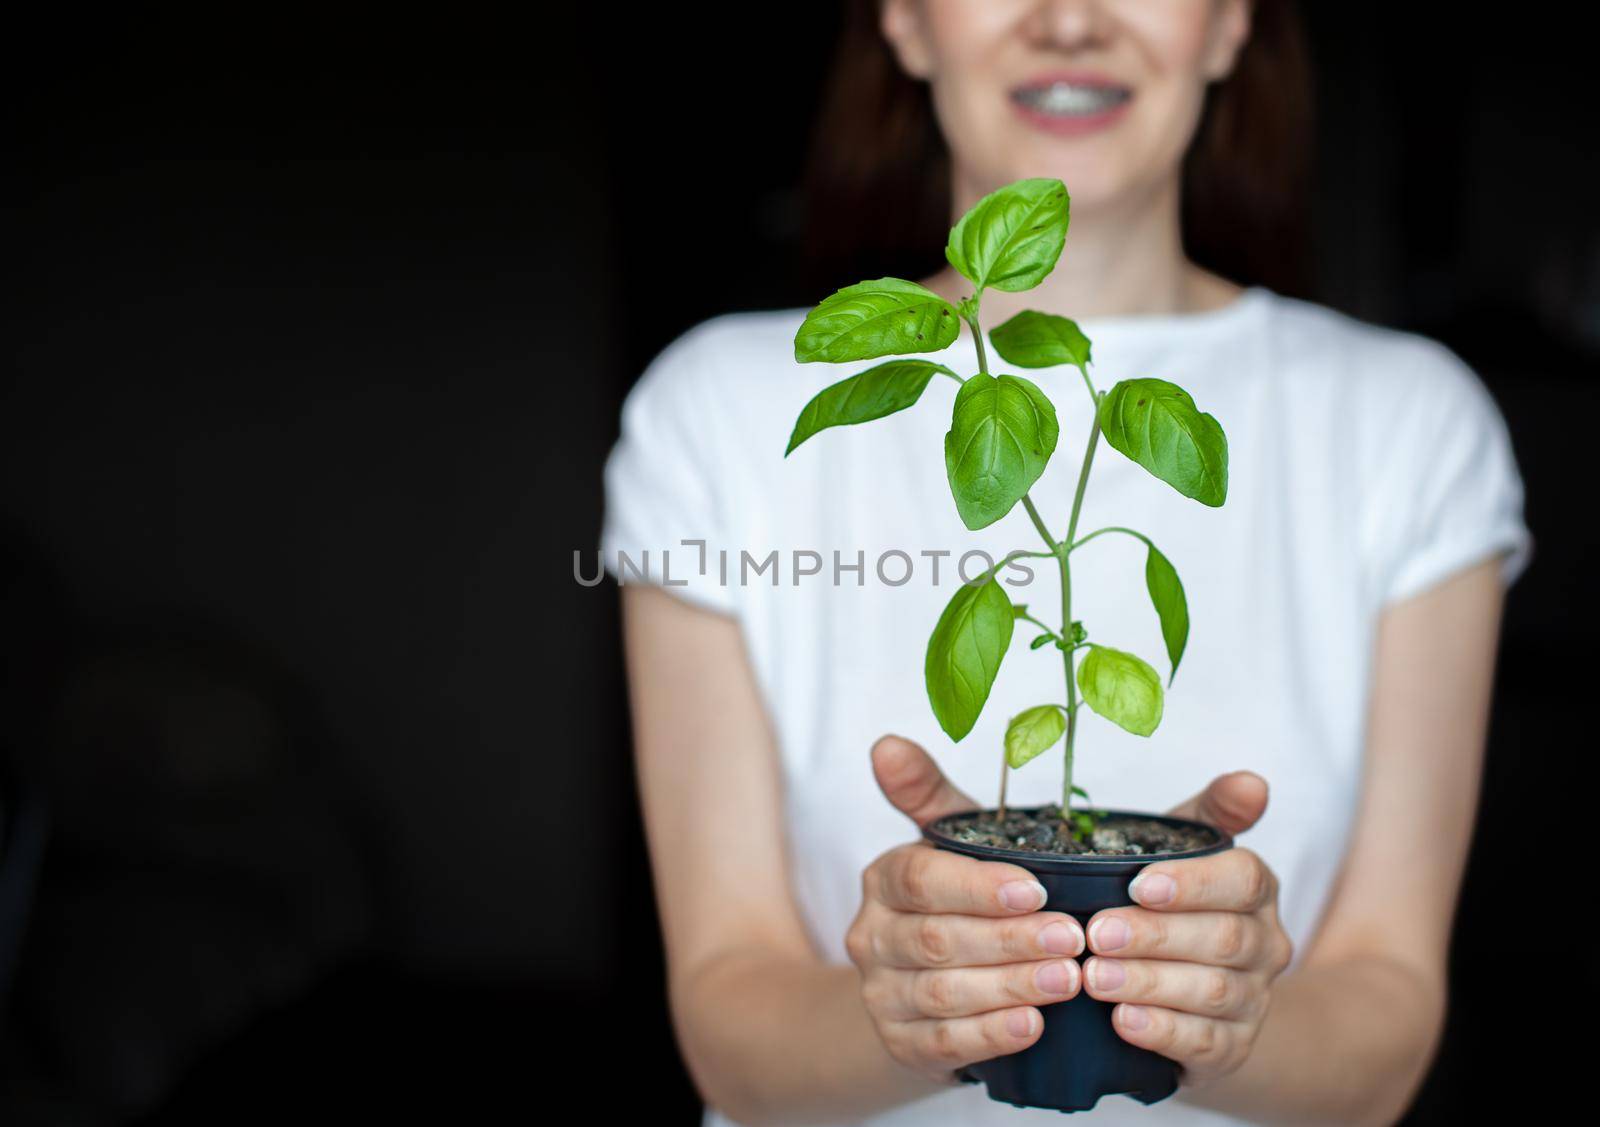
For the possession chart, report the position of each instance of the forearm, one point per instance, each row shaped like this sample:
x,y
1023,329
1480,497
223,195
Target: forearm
x,y
1344,1043
774,1039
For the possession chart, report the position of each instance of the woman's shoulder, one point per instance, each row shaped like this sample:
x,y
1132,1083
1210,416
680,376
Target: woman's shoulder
x,y
751,344
728,381
1402,405
1384,367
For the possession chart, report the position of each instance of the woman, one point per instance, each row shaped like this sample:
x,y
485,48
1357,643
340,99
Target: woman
x,y
1346,606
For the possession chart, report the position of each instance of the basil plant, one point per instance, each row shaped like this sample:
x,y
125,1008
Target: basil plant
x,y
1003,432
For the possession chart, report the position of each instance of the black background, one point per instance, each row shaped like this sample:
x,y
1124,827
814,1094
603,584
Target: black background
x,y
315,339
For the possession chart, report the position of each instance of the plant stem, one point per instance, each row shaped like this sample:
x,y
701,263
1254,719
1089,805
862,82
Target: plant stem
x,y
1063,554
1072,684
977,339
1038,522
1083,475
1102,531
983,370
1088,383
1045,626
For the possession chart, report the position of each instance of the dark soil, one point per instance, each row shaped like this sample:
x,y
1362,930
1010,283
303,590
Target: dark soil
x,y
1042,831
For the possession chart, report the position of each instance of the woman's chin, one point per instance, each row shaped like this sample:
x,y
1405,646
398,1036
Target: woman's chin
x,y
1094,173
1091,184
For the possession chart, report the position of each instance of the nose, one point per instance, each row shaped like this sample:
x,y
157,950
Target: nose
x,y
1067,23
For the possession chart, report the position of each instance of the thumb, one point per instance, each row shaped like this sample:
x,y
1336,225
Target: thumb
x,y
1233,802
913,783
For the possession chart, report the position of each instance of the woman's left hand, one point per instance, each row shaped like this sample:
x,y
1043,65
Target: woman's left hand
x,y
1192,966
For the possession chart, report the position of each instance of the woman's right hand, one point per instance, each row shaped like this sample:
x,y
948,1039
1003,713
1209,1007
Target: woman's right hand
x,y
954,953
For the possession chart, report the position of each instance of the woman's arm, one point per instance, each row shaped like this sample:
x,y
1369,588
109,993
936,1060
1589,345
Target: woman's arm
x,y
1352,1029
769,1031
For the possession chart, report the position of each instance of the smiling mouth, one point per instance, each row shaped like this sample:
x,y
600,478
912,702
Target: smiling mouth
x,y
1070,99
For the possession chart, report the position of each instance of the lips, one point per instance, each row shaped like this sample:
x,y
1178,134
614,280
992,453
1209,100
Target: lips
x,y
1066,99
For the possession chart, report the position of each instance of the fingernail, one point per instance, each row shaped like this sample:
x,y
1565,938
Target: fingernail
x,y
1153,888
1110,933
1056,978
1134,1017
1107,974
1022,895
1019,1023
1061,939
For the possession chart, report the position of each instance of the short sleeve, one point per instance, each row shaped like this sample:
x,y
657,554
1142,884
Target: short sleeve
x,y
1451,495
666,518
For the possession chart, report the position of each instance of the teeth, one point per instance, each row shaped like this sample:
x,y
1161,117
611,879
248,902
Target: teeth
x,y
1066,99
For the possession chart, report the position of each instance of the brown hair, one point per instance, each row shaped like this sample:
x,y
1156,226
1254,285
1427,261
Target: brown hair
x,y
878,182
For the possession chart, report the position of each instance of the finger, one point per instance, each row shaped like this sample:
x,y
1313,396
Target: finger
x,y
919,878
958,1042
1194,1042
912,940
965,991
1232,881
913,783
1193,988
1233,802
1226,939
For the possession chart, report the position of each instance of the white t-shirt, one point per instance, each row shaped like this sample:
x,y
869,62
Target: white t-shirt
x,y
1365,466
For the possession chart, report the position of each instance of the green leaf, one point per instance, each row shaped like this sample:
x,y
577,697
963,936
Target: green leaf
x,y
1122,688
1172,607
1041,641
964,655
1033,732
1157,425
1002,432
1079,791
1041,340
1011,238
872,319
865,396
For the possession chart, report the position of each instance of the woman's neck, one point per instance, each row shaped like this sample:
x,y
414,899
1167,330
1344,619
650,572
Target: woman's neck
x,y
1121,259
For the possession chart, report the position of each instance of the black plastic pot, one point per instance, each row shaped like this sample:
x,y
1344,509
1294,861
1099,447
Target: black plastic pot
x,y
1079,1057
